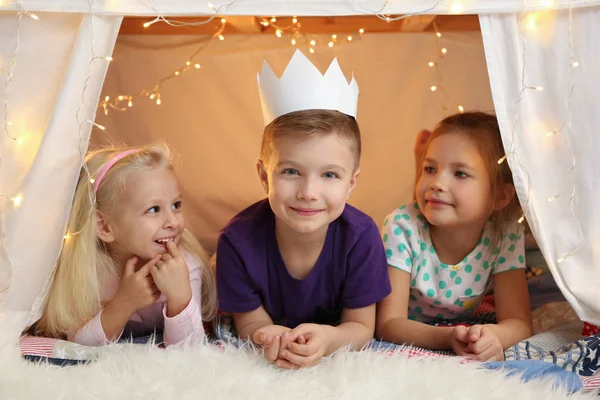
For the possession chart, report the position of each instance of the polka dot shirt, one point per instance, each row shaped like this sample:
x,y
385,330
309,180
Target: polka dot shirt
x,y
444,291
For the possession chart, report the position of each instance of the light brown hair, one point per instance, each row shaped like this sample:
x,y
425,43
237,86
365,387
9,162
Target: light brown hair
x,y
307,123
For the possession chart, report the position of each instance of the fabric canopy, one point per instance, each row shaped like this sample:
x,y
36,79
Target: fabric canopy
x,y
296,7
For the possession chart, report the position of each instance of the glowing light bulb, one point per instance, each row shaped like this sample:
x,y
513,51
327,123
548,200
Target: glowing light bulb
x,y
433,88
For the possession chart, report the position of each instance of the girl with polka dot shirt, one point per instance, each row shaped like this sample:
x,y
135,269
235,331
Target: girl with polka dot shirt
x,y
457,241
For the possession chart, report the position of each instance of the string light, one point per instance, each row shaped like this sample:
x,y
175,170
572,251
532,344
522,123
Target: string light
x,y
349,38
330,44
441,52
433,88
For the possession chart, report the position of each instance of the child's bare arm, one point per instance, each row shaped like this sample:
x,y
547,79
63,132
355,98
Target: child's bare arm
x,y
394,326
513,311
248,323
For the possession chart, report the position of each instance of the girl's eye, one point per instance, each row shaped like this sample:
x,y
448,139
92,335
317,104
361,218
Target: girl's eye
x,y
177,205
153,210
331,175
290,171
429,170
461,174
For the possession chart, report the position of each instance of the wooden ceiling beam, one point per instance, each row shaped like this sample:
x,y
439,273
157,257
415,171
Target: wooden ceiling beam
x,y
308,25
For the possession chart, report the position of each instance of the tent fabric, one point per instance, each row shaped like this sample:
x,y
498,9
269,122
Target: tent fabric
x,y
49,114
42,170
297,7
549,136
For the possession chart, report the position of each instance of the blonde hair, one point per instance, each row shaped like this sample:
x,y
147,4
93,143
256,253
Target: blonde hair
x,y
307,123
85,263
483,128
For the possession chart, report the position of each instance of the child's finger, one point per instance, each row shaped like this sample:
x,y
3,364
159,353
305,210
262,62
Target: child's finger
x,y
166,257
259,337
173,249
301,339
460,333
475,332
285,364
302,349
301,361
130,266
491,354
271,351
145,270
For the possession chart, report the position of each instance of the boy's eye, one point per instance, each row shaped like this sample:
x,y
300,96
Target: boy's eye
x,y
429,169
177,205
331,175
290,171
153,210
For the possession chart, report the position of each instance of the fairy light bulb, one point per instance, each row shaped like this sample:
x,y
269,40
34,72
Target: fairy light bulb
x,y
313,42
330,44
197,66
438,34
461,108
444,50
278,33
221,37
311,50
431,63
349,38
295,20
361,31
223,20
433,88
293,42
17,200
500,161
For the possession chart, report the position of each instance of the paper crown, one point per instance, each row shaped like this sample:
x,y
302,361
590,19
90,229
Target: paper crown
x,y
303,87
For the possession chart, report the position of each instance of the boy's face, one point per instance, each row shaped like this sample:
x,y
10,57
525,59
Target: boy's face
x,y
308,181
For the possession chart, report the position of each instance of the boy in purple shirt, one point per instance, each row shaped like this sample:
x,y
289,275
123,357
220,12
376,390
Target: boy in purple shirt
x,y
301,271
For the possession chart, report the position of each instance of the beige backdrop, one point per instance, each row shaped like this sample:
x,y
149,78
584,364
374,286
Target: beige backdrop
x,y
212,117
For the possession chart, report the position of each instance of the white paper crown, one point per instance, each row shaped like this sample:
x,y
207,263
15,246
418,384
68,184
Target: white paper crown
x,y
303,87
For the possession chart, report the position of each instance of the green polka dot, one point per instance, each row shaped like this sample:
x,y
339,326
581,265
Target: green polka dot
x,y
405,217
385,222
431,249
513,237
413,283
457,301
487,241
412,318
502,260
413,297
442,285
478,256
420,217
414,254
435,270
458,280
402,207
477,278
466,259
479,241
397,217
468,268
437,302
419,310
444,266
452,274
448,293
401,247
511,248
486,265
416,206
496,251
388,253
512,268
423,246
408,262
439,316
430,293
385,238
424,262
418,268
420,294
521,259
398,231
408,233
425,277
468,292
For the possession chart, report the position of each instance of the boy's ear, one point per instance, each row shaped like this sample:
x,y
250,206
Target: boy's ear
x,y
504,195
262,175
353,182
103,228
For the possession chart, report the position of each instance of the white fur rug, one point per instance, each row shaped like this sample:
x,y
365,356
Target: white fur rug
x,y
206,372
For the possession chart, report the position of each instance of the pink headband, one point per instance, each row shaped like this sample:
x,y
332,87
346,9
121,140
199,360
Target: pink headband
x,y
109,165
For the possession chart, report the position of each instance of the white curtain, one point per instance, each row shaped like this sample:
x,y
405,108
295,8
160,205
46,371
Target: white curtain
x,y
293,7
550,136
52,63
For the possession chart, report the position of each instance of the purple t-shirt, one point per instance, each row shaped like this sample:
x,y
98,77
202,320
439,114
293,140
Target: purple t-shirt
x,y
351,271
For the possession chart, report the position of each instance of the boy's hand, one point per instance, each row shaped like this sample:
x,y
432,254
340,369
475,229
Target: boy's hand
x,y
484,344
304,346
269,338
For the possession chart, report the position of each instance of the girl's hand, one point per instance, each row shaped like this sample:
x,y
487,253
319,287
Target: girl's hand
x,y
460,341
172,276
484,344
137,289
303,346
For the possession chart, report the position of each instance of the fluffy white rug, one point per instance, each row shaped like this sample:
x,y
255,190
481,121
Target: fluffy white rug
x,y
206,372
